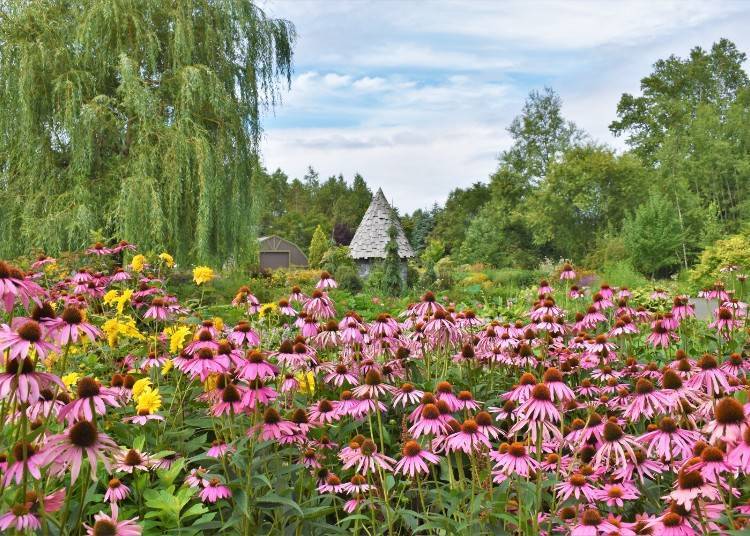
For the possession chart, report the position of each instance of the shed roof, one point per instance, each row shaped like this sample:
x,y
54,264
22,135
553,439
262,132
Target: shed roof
x,y
372,234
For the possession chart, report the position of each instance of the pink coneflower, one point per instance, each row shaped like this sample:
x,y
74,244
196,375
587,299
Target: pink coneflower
x,y
92,400
616,448
367,459
444,391
332,484
384,326
258,393
323,413
642,466
559,391
297,296
152,360
27,459
20,518
646,401
356,485
142,417
615,494
576,293
214,491
660,335
124,245
219,449
25,384
539,406
319,306
735,365
713,463
204,339
257,367
116,491
231,402
725,321
577,485
427,306
406,394
286,309
67,450
129,460
521,392
157,309
682,308
710,377
290,383
429,422
28,337
414,460
690,485
514,460
326,281
70,325
340,375
110,526
48,404
243,334
14,285
468,439
739,455
669,441
372,387
273,426
197,478
624,325
567,272
204,363
42,260
119,275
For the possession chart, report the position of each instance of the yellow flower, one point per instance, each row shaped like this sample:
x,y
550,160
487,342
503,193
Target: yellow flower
x,y
138,263
267,309
167,259
218,323
211,382
306,382
114,328
177,337
202,274
166,367
140,386
110,297
149,400
71,379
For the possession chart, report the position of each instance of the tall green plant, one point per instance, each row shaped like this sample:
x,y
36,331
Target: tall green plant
x,y
393,283
138,118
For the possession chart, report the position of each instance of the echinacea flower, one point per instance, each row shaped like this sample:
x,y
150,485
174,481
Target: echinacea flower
x,y
729,421
27,461
367,459
129,460
67,450
70,325
468,439
92,400
669,441
326,281
273,426
256,367
20,518
616,493
690,485
28,337
414,459
110,526
116,491
214,490
577,485
616,448
26,384
514,460
428,422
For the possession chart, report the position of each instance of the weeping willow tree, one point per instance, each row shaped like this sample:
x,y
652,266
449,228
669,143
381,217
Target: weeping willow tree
x,y
135,119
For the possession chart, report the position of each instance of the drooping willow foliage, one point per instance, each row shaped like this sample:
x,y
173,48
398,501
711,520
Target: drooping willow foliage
x,y
135,119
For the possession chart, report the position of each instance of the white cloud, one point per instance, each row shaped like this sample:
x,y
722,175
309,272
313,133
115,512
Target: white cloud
x,y
417,98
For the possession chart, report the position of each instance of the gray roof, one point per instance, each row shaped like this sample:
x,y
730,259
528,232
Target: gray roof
x,y
372,234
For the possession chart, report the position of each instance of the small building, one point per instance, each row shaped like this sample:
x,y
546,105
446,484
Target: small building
x,y
275,252
368,245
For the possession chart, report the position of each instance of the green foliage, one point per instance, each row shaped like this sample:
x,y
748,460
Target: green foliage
x,y
139,118
348,278
652,236
733,250
318,247
589,190
337,258
445,271
393,284
452,221
609,248
621,274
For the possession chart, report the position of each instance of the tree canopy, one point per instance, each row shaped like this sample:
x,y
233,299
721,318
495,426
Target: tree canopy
x,y
136,119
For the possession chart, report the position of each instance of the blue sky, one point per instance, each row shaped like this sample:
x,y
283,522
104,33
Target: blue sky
x,y
416,95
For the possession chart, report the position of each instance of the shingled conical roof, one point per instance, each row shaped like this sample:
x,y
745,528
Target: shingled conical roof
x,y
372,234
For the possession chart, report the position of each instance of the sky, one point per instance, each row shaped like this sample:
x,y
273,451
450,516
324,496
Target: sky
x,y
416,95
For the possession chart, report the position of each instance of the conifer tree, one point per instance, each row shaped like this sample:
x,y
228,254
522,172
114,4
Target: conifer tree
x,y
318,247
393,284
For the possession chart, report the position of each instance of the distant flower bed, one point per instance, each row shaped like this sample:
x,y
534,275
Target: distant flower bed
x,y
589,412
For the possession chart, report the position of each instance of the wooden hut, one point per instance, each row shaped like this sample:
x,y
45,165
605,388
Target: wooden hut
x,y
275,252
368,245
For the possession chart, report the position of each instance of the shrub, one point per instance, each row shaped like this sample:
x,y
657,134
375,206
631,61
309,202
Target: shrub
x,y
318,246
621,274
336,258
348,279
734,250
445,270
